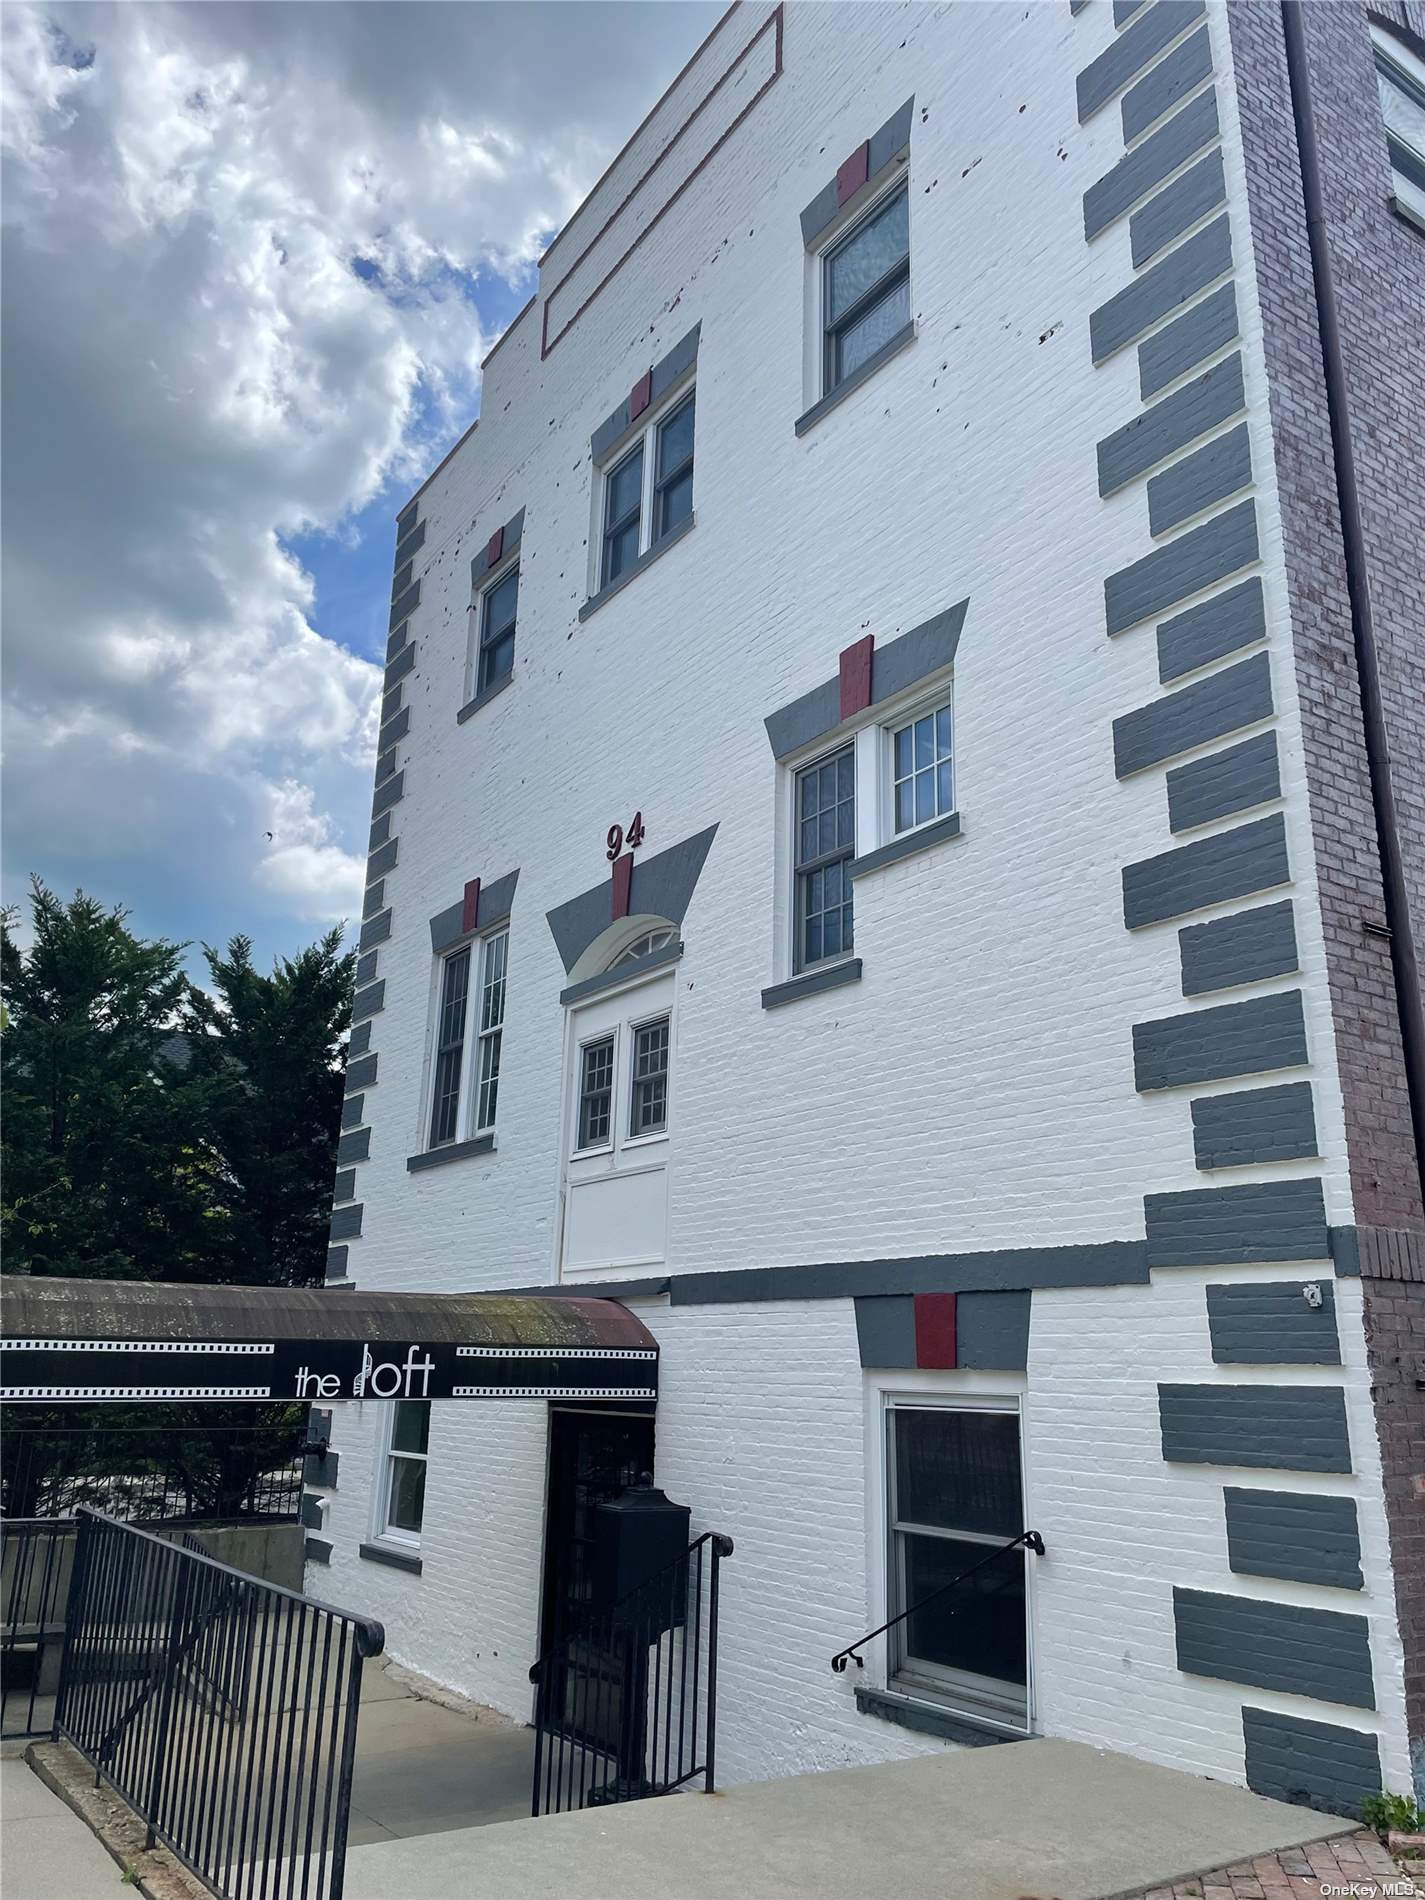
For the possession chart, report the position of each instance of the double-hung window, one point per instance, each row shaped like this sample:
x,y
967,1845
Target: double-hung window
x,y
1400,82
644,1067
499,605
596,1092
922,769
866,288
461,1019
825,817
955,1497
648,1091
648,492
403,1483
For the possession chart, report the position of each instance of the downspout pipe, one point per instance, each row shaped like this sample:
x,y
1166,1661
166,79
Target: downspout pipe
x,y
1404,961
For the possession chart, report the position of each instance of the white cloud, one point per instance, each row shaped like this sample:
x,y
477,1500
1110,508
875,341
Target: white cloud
x,y
197,370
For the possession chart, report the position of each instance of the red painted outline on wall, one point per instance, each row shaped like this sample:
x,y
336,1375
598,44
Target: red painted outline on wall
x,y
773,24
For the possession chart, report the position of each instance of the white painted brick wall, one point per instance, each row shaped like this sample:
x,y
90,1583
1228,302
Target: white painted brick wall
x,y
976,1089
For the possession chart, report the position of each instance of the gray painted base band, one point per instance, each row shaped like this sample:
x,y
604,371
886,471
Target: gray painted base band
x,y
1162,289
991,1331
644,560
1223,783
483,698
812,982
1244,948
397,1559
1256,1427
1236,863
624,972
1125,57
1213,1045
925,1719
1183,567
1102,1263
452,1151
1170,424
850,384
1149,164
1381,1253
909,845
1259,1221
1271,1323
1177,207
1232,619
1313,1764
1325,1654
896,666
1188,340
1253,1126
1222,703
1296,1535
1171,79
1211,474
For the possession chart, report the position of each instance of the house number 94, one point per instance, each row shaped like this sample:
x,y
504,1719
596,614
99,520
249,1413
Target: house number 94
x,y
618,837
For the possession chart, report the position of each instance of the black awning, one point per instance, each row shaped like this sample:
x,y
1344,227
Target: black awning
x,y
128,1339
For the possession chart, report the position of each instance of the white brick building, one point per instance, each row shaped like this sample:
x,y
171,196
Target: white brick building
x,y
1037,1173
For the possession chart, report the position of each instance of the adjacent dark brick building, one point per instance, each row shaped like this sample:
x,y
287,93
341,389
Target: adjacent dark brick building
x,y
1378,259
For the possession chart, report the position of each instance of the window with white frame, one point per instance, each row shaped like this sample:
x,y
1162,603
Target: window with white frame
x,y
825,818
596,1090
648,492
648,1080
402,1491
499,606
1400,83
459,1111
922,768
865,288
954,1497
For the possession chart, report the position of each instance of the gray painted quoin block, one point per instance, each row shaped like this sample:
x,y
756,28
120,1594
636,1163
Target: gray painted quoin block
x,y
1243,948
1209,871
1150,163
1213,1045
1210,474
1125,57
1256,1222
1296,1535
1182,567
1161,289
1169,425
1224,702
1252,1126
1172,79
1187,341
1272,1323
1314,1764
1210,631
1224,782
1259,1427
1177,207
1325,1654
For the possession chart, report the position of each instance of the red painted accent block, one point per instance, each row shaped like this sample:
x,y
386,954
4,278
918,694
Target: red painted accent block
x,y
640,395
495,548
935,1331
623,884
470,909
855,669
854,173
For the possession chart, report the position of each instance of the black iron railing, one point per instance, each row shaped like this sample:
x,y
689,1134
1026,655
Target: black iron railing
x,y
36,1558
1031,1540
221,1708
626,1706
154,1474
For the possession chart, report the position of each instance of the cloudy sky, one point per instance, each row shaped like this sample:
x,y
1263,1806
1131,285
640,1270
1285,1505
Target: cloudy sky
x,y
253,255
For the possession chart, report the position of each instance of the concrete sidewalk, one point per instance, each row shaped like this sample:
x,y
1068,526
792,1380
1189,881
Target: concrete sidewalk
x,y
1034,1818
46,1851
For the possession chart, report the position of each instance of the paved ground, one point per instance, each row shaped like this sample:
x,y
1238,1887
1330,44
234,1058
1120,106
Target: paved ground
x,y
1357,1865
46,1851
422,1768
1041,1818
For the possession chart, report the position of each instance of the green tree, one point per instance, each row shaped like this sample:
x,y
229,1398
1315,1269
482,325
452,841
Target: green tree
x,y
105,1171
266,1052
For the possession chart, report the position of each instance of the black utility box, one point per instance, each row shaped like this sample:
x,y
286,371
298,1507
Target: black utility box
x,y
637,1537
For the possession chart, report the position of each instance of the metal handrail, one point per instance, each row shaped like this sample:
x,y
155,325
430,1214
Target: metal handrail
x,y
1031,1540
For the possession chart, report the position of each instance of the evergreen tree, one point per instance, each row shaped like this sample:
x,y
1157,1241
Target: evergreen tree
x,y
105,1170
267,1053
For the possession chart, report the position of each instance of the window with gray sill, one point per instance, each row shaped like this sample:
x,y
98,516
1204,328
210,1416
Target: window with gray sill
x,y
499,605
648,492
825,808
457,1025
865,287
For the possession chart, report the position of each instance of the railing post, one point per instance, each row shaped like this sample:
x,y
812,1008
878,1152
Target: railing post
x,y
720,1547
178,1613
367,1640
74,1597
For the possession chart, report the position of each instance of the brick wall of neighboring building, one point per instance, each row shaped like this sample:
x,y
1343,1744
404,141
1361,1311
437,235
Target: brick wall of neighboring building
x,y
1379,263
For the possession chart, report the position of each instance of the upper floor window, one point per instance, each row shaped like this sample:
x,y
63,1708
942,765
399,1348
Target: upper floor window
x,y
457,1024
498,607
866,287
825,847
648,493
1400,82
922,769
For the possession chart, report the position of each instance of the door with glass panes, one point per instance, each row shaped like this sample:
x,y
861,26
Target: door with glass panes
x,y
955,1495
